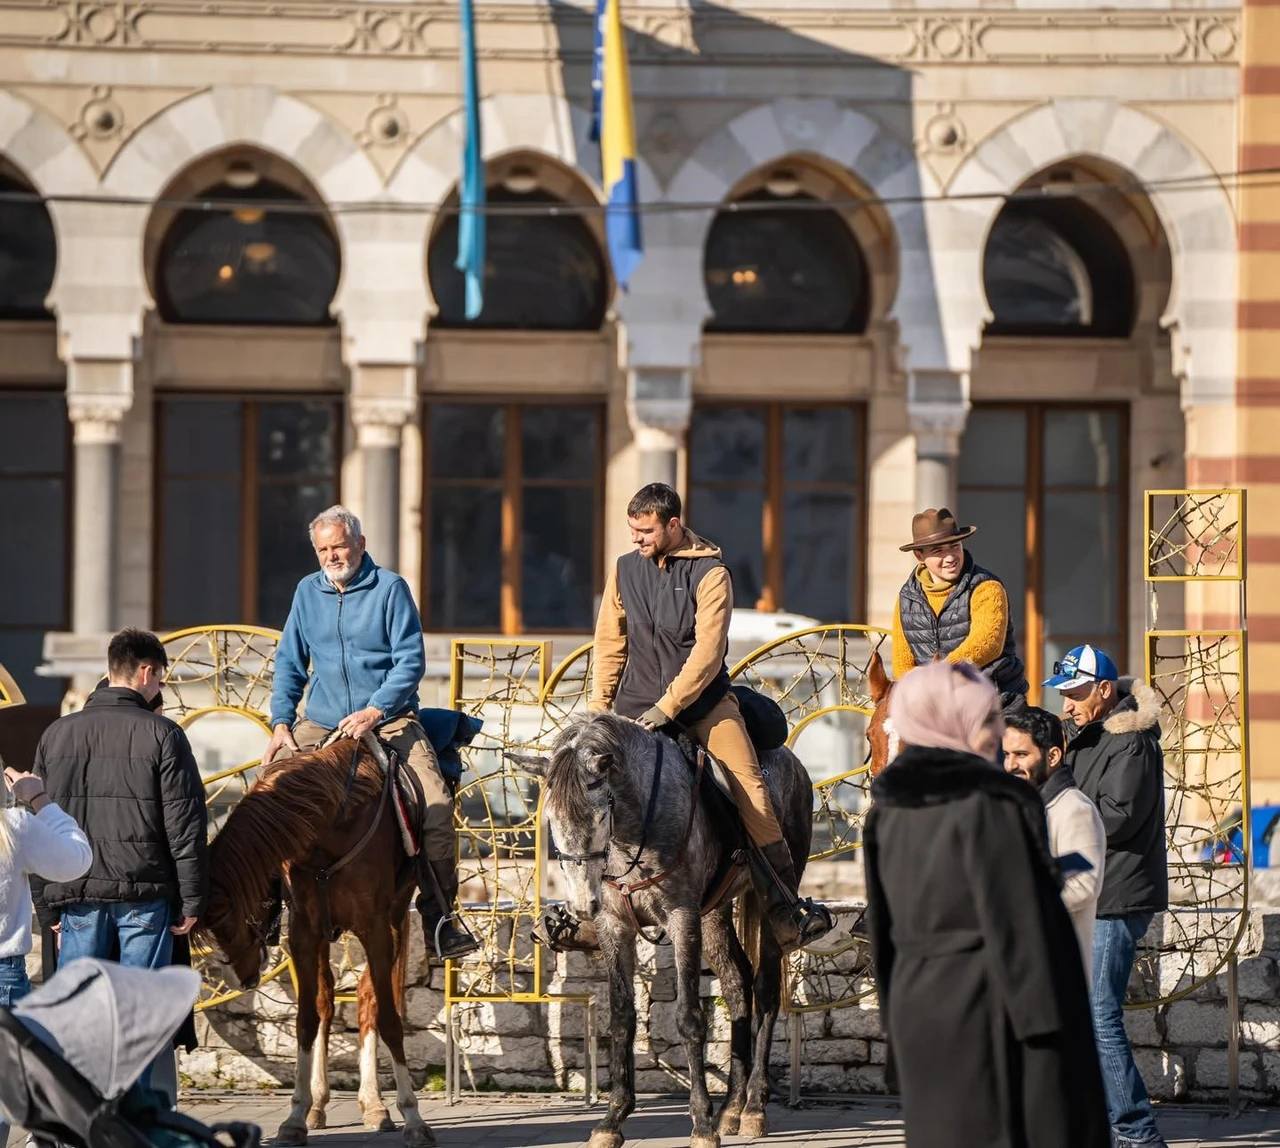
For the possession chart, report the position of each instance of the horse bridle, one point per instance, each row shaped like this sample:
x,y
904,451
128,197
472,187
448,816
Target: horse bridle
x,y
599,854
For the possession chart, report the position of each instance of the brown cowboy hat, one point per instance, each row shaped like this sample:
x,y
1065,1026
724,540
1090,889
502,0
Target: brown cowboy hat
x,y
934,528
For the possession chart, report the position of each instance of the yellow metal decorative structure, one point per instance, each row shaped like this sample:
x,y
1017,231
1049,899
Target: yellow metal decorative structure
x,y
218,688
10,692
1196,541
502,845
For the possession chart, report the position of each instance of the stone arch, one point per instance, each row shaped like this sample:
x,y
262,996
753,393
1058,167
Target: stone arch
x,y
1196,214
885,164
43,149
329,158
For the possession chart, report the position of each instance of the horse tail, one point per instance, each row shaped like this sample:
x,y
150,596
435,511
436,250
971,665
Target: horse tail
x,y
280,820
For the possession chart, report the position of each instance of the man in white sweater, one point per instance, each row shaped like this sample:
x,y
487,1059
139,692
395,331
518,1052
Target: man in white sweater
x,y
1034,744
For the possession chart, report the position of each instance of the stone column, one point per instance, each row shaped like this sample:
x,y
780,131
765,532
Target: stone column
x,y
659,406
95,593
379,423
937,409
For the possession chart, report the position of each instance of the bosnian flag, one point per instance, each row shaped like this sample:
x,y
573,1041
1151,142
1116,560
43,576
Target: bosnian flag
x,y
618,146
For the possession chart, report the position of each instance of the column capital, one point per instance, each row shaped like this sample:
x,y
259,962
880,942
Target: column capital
x,y
937,411
380,420
659,405
97,418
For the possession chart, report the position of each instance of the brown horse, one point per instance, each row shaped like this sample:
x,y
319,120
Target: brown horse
x,y
322,813
879,686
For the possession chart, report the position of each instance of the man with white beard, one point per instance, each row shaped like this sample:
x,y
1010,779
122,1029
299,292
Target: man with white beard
x,y
357,627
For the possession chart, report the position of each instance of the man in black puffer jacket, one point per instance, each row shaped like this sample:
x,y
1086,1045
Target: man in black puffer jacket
x,y
129,778
1118,764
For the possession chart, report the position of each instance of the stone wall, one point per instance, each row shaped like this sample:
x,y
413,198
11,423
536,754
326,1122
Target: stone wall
x,y
1181,1048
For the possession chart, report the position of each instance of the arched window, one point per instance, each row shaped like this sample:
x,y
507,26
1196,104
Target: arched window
x,y
542,272
251,265
787,269
28,253
1054,266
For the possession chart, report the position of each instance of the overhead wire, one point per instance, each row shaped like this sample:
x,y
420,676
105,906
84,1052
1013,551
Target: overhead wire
x,y
1252,178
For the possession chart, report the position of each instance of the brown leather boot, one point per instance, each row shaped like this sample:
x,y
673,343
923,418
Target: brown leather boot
x,y
796,921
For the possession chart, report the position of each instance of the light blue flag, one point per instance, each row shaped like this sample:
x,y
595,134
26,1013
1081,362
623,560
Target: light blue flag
x,y
471,219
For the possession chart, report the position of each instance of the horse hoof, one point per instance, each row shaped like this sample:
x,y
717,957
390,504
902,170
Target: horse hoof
x,y
604,1139
419,1136
712,1141
316,1118
291,1134
755,1125
377,1120
728,1123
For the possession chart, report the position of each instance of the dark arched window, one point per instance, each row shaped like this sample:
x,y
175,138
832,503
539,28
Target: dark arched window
x,y
28,253
251,265
793,269
1054,266
542,272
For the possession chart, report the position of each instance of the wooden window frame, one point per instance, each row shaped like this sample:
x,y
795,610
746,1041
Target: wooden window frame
x,y
251,480
512,485
1032,649
775,487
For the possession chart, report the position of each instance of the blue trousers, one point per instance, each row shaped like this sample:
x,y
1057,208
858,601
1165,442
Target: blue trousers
x,y
1115,943
142,929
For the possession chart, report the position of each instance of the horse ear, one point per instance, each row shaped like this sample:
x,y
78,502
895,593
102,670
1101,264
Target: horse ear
x,y
877,680
601,762
533,763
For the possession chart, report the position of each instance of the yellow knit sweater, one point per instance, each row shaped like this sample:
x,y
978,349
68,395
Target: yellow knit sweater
x,y
988,622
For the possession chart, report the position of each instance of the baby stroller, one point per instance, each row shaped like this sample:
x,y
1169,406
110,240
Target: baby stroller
x,y
72,1051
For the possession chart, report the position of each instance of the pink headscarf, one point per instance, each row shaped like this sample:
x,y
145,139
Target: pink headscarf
x,y
942,705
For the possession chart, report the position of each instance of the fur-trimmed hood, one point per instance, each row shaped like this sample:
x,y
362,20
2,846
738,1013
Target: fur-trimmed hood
x,y
1139,708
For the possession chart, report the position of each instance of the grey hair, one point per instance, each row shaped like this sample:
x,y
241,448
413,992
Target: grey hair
x,y
336,516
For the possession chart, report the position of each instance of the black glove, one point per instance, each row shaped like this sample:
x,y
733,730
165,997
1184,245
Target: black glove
x,y
653,718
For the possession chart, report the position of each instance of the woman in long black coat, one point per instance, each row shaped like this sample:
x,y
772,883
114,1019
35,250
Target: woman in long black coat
x,y
982,992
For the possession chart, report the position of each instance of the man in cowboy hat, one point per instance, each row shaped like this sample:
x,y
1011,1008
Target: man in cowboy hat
x,y
952,608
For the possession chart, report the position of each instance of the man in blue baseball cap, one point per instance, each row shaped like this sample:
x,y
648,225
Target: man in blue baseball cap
x,y
1117,761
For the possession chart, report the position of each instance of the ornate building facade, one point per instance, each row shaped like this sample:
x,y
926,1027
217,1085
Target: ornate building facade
x,y
896,256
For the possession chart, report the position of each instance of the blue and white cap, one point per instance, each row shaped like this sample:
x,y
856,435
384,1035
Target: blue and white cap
x,y
1082,665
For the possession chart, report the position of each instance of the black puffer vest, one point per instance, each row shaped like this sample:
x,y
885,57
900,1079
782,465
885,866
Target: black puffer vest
x,y
661,604
931,635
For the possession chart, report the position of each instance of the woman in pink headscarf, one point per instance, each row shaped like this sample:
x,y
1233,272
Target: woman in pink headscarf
x,y
982,994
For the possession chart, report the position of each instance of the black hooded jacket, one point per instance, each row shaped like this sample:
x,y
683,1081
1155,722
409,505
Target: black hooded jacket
x,y
1119,765
131,782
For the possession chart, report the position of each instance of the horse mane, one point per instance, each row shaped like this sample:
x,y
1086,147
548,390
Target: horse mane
x,y
281,819
600,735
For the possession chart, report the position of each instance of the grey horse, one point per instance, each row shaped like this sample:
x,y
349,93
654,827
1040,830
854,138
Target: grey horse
x,y
615,831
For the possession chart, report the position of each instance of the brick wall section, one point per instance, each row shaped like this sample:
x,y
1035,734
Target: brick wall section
x,y
1257,464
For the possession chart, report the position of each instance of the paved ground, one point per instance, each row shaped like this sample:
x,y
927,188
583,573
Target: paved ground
x,y
515,1121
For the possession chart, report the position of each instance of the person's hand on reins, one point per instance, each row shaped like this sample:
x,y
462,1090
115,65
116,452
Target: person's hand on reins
x,y
358,724
653,718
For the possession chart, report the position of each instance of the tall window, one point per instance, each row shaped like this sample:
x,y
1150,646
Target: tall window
x,y
28,253
239,482
1054,266
543,272
513,517
268,261
779,488
1046,486
788,269
34,435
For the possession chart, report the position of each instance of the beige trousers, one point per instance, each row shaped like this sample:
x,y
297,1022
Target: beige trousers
x,y
407,738
724,734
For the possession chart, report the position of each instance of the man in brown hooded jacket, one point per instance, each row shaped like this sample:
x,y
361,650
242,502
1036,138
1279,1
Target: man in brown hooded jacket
x,y
660,644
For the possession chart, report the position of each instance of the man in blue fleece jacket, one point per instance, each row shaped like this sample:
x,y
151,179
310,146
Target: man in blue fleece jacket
x,y
356,626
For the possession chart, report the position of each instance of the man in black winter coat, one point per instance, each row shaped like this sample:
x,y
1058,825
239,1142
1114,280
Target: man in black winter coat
x,y
129,778
1117,761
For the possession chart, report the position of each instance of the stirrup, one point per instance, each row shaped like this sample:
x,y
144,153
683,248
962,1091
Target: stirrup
x,y
813,920
468,942
557,930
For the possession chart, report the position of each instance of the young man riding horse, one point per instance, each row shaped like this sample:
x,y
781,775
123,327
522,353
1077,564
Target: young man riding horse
x,y
357,626
660,644
953,609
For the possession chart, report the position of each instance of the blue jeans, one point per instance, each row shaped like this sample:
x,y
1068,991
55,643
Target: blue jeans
x,y
142,929
13,987
1115,943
